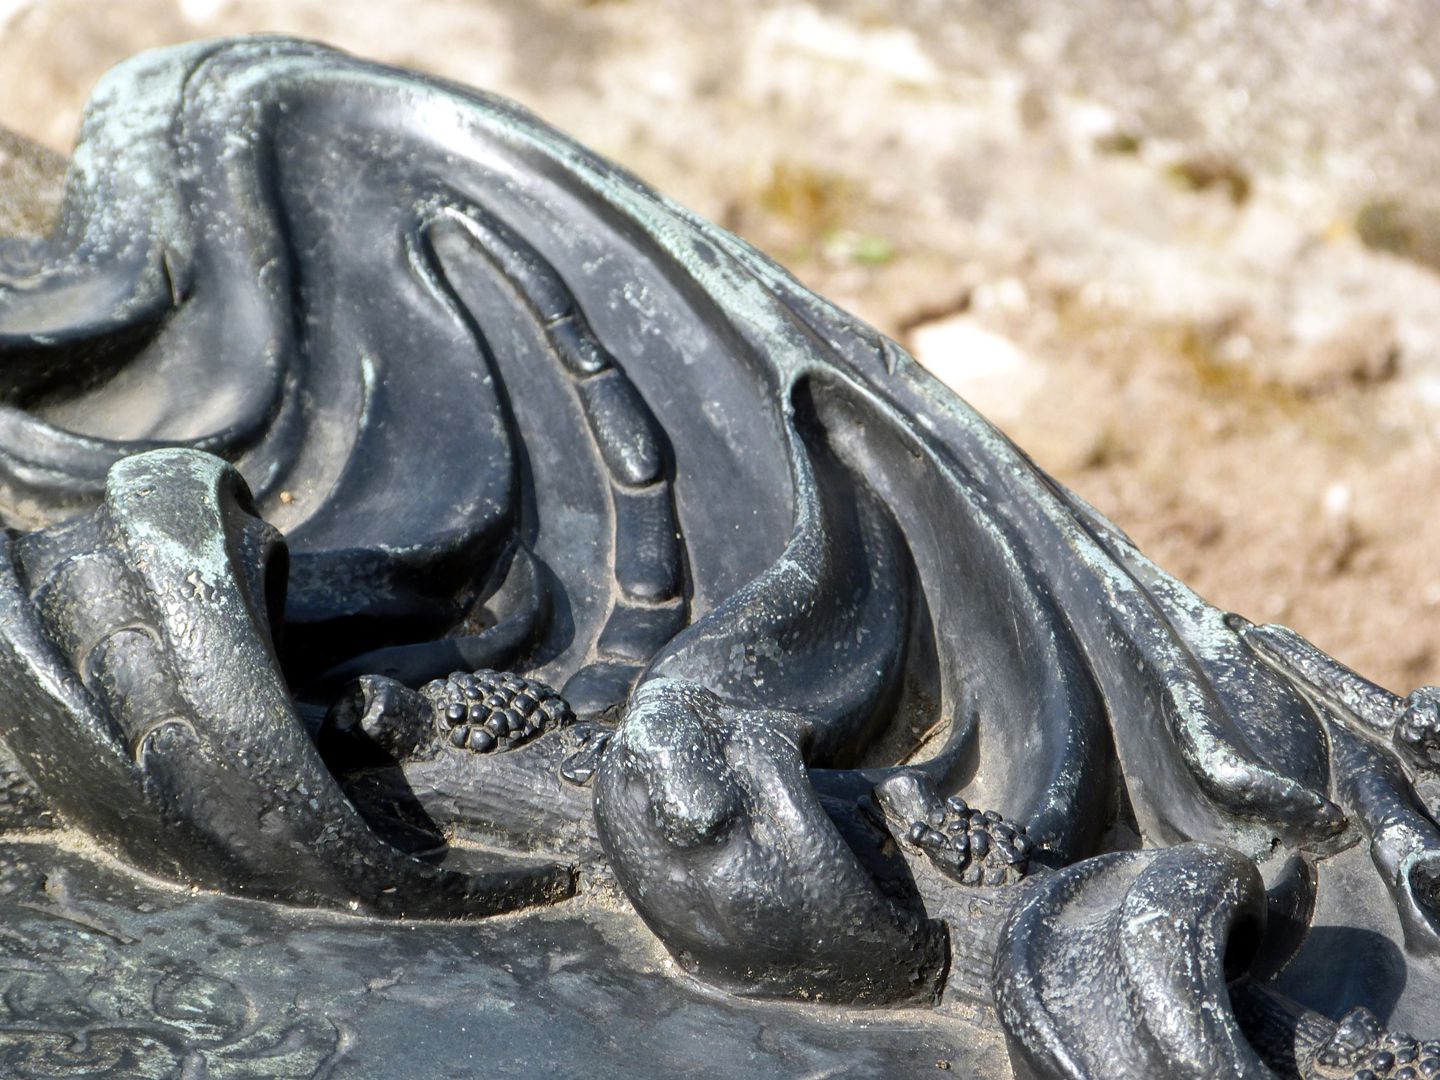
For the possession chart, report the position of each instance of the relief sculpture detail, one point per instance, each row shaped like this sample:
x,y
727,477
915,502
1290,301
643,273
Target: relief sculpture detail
x,y
439,565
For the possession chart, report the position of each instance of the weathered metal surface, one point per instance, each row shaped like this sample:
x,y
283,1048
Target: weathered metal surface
x,y
415,517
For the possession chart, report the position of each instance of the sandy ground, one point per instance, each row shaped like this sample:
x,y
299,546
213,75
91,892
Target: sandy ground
x,y
1184,253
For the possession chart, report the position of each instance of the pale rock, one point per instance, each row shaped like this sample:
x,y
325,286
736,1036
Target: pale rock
x,y
985,369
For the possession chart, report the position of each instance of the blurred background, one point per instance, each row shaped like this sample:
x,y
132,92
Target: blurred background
x,y
1185,253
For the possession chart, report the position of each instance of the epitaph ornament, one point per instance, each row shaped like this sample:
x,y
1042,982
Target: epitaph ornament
x,y
414,520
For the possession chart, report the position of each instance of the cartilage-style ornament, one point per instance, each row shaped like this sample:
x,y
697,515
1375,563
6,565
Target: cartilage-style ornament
x,y
415,517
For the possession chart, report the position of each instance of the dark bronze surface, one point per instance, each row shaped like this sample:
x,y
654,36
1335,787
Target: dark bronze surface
x,y
463,615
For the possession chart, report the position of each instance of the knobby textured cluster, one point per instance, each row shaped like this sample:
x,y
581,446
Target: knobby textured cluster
x,y
387,475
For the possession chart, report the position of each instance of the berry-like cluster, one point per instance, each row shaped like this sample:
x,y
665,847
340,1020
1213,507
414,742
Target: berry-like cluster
x,y
489,710
1417,732
975,847
1361,1049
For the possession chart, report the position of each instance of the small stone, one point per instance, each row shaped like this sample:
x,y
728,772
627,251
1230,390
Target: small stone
x,y
1365,350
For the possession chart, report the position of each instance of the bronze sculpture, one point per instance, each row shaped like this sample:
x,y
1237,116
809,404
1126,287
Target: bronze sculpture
x,y
414,516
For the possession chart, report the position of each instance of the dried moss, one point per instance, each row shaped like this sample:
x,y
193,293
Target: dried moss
x,y
1120,143
811,200
1407,229
1206,172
